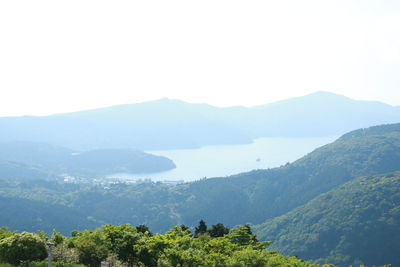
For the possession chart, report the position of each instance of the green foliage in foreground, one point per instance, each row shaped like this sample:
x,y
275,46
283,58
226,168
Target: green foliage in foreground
x,y
17,248
126,245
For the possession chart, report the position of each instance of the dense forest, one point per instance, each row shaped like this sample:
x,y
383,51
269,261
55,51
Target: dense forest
x,y
358,220
126,245
249,198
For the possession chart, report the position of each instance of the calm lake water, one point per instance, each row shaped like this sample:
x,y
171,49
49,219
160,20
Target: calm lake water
x,y
224,160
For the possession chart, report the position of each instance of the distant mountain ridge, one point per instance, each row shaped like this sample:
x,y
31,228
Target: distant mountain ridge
x,y
15,171
29,160
174,124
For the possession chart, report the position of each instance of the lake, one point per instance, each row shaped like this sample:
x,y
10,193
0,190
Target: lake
x,y
224,160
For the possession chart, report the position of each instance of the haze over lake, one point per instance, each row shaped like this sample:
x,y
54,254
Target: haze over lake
x,y
225,160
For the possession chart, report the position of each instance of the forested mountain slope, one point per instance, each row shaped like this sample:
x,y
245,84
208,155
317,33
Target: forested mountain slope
x,y
251,197
359,222
60,160
374,130
15,170
174,124
259,195
32,215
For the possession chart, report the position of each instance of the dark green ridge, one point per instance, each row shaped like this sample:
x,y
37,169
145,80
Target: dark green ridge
x,y
359,222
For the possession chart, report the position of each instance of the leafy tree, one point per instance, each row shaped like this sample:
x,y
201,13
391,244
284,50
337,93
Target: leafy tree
x,y
124,245
249,257
42,234
218,230
201,229
18,248
91,247
144,229
65,254
45,264
184,227
243,236
5,233
122,240
75,233
57,238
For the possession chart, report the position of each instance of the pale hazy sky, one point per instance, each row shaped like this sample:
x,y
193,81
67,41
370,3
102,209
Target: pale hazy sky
x,y
58,56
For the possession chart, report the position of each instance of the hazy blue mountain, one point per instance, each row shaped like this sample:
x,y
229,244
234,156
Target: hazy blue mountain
x,y
359,222
60,160
36,154
159,124
110,161
172,124
19,171
320,113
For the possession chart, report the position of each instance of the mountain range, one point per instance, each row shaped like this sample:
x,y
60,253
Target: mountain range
x,y
174,124
338,204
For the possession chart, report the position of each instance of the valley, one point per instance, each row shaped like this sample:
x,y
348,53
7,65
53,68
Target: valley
x,y
256,197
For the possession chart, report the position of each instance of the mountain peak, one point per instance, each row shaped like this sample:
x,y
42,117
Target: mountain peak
x,y
312,98
325,94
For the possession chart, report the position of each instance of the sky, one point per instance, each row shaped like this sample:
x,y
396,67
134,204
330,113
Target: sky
x,y
60,56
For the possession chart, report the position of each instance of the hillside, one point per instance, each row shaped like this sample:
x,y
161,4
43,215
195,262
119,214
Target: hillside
x,y
174,124
31,215
375,130
251,197
60,160
19,171
359,222
334,203
262,194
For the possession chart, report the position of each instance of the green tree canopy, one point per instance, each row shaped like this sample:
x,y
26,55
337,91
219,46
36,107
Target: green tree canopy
x,y
18,248
201,229
218,230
